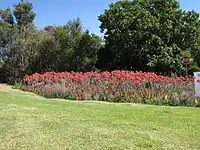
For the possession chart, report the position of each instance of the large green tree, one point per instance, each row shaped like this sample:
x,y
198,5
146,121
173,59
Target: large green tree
x,y
69,48
25,50
23,13
148,35
14,38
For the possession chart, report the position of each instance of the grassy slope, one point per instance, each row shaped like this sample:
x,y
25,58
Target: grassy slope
x,y
28,121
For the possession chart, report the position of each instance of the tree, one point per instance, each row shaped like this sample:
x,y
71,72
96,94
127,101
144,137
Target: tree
x,y
23,13
25,50
7,16
76,50
139,32
66,48
15,52
85,54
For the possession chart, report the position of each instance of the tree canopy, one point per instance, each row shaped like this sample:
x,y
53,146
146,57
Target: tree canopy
x,y
149,35
26,49
142,35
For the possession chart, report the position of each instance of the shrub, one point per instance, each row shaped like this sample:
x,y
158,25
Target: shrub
x,y
195,69
115,86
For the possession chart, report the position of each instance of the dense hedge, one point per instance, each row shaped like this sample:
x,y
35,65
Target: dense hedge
x,y
115,86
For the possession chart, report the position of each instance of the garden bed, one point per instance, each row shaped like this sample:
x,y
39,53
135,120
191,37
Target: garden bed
x,y
115,86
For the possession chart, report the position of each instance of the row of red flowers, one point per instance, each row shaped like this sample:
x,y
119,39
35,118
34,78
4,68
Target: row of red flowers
x,y
115,86
114,76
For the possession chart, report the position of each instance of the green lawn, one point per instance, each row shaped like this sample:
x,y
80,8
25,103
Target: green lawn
x,y
28,121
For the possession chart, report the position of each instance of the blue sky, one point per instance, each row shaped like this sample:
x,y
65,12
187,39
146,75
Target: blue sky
x,y
58,12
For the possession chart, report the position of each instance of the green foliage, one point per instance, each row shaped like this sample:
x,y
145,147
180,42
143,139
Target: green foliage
x,y
167,61
142,35
26,50
69,48
18,85
7,16
195,69
15,36
23,13
18,55
139,35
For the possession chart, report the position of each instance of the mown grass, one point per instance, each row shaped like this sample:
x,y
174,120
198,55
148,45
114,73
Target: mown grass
x,y
28,121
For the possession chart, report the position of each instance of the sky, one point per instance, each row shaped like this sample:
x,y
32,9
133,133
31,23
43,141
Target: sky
x,y
59,12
